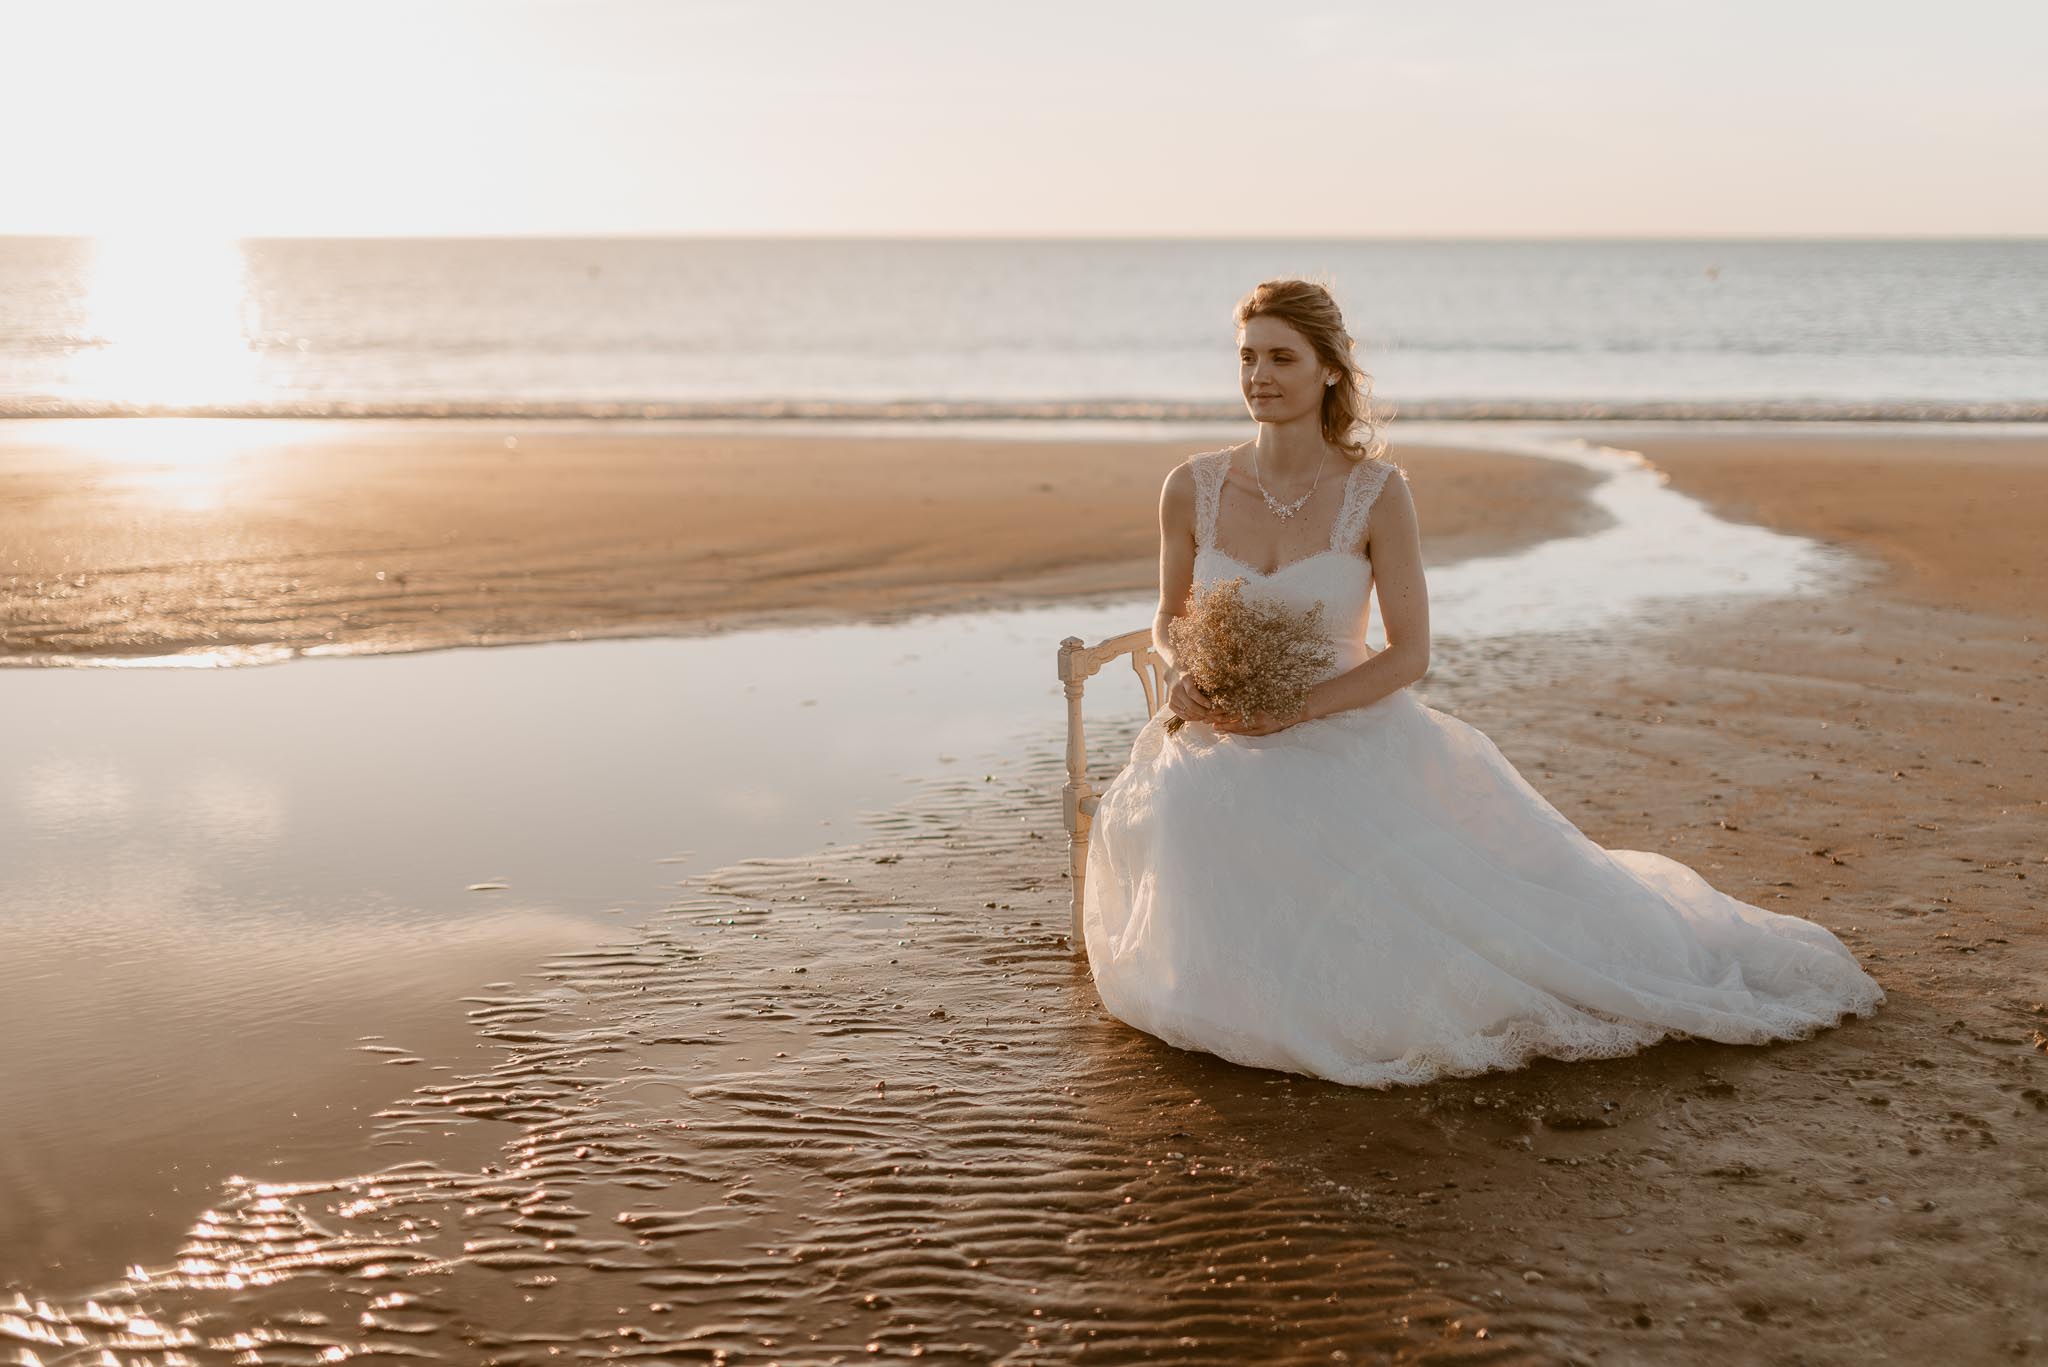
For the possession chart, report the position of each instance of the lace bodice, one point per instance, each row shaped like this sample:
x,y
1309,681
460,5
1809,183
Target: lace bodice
x,y
1338,576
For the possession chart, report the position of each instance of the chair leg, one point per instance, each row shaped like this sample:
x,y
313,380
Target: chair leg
x,y
1077,858
1077,786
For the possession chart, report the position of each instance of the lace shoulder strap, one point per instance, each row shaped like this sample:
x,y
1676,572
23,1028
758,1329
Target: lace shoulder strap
x,y
1361,487
1210,470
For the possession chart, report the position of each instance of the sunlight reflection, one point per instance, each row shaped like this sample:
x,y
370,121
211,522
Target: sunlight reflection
x,y
70,792
187,463
230,657
168,321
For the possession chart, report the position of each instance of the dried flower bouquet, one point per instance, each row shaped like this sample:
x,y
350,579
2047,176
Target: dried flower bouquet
x,y
1249,655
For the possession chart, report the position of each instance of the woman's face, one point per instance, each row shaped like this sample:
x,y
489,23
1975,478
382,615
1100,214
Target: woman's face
x,y
1278,371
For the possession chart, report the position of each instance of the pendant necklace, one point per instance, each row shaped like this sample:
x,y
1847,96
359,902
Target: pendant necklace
x,y
1283,511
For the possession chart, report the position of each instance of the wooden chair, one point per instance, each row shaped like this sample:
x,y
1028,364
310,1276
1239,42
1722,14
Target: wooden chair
x,y
1079,663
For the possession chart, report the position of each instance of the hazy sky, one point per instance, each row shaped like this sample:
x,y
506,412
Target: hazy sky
x,y
1487,118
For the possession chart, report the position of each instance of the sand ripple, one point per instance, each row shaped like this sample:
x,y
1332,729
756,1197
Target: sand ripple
x,y
855,1106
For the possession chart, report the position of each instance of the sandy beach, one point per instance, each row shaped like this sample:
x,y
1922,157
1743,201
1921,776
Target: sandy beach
x,y
864,1103
144,538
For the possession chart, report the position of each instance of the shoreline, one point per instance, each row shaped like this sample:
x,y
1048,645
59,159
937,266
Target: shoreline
x,y
258,544
250,543
1936,493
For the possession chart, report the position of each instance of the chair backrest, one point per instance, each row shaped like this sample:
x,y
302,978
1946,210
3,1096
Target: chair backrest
x,y
1079,662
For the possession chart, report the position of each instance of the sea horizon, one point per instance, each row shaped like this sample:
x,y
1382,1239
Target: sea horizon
x,y
913,328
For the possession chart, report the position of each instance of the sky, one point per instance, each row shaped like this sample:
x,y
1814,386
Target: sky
x,y
1455,118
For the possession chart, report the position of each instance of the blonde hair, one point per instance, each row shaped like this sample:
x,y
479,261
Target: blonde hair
x,y
1310,310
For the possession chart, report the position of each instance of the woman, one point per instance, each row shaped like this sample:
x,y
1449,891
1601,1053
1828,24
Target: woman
x,y
1368,891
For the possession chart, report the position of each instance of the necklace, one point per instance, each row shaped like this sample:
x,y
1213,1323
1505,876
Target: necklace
x,y
1283,511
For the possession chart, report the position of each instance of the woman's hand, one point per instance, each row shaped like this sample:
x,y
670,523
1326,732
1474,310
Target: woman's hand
x,y
1260,724
1185,700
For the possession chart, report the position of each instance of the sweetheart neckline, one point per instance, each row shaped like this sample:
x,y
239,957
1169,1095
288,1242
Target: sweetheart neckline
x,y
1276,573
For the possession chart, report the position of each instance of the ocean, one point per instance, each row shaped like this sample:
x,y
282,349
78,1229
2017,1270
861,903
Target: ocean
x,y
913,329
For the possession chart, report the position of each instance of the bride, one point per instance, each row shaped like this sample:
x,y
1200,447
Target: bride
x,y
1367,891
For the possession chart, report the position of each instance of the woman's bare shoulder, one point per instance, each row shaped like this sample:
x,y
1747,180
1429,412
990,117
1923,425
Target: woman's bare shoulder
x,y
1182,479
1177,494
1182,489
1393,506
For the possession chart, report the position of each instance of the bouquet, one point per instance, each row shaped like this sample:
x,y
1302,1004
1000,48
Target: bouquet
x,y
1249,656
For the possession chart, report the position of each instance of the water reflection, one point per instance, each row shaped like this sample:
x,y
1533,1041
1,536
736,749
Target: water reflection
x,y
194,465
1660,546
217,883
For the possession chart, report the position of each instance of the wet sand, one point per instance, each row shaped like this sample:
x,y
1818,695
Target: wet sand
x,y
865,1105
181,910
145,538
1929,506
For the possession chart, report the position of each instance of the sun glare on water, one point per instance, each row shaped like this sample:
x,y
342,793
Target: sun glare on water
x,y
196,465
169,322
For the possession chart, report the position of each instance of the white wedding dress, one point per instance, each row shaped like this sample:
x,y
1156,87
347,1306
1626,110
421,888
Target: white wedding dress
x,y
1378,897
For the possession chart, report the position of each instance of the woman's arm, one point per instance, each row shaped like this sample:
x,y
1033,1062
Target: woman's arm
x,y
1176,582
1176,558
1394,542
